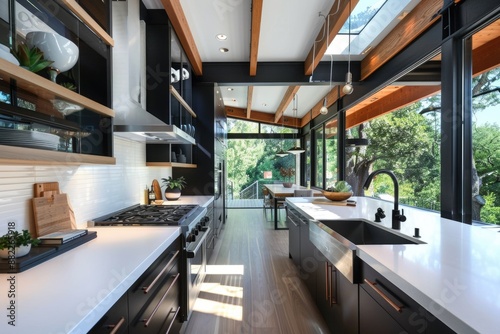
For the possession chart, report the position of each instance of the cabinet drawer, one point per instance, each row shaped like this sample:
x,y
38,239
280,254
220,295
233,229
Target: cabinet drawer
x,y
403,309
115,320
158,313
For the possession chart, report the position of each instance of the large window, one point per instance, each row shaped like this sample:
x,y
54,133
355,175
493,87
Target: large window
x,y
406,141
319,166
486,147
331,152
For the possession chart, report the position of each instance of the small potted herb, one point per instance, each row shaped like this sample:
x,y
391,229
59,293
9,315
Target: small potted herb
x,y
16,244
173,187
31,58
287,174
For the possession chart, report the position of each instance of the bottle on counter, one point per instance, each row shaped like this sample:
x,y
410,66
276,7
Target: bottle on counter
x,y
152,196
146,195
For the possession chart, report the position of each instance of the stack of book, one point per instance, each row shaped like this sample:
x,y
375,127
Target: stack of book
x,y
62,237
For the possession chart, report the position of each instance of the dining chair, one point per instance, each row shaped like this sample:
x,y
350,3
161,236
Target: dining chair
x,y
303,193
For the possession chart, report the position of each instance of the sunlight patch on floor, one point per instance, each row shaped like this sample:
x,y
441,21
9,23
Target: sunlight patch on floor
x,y
219,309
223,290
235,269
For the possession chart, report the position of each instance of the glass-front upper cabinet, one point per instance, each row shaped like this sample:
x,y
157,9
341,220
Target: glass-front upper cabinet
x,y
56,80
181,112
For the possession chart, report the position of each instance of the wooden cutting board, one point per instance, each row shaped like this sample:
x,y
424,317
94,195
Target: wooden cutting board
x,y
46,189
51,214
157,189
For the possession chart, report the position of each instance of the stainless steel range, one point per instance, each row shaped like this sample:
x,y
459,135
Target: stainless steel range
x,y
192,220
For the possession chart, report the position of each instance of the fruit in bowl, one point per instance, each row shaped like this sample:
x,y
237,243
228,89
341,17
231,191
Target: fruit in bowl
x,y
339,192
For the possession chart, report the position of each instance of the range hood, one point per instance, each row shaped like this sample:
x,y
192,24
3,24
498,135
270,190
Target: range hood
x,y
132,120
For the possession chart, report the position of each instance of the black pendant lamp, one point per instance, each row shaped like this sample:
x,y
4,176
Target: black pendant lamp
x,y
295,149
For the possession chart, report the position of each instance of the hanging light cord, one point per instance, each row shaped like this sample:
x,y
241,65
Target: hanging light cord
x,y
349,45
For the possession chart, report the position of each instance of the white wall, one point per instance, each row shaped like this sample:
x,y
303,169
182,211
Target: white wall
x,y
93,190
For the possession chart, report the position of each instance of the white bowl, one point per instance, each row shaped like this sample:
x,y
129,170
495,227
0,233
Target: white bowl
x,y
5,54
59,49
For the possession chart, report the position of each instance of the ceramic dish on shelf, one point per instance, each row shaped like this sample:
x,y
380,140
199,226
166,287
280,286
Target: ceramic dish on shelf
x,y
64,107
5,54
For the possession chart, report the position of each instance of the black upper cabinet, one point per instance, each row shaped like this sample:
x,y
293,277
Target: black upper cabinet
x,y
37,104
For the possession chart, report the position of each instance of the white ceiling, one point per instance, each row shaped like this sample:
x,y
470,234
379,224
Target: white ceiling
x,y
288,30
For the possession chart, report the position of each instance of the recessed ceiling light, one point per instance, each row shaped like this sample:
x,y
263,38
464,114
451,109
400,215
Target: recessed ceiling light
x,y
224,50
264,104
234,100
230,89
221,37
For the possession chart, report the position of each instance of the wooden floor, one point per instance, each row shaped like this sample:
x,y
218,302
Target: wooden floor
x,y
252,286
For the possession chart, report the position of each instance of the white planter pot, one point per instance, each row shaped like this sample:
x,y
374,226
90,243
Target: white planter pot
x,y
18,251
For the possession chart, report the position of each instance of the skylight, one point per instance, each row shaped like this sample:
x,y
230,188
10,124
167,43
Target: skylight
x,y
371,21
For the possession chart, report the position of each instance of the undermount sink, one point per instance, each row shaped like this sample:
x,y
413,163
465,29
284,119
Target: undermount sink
x,y
361,232
337,240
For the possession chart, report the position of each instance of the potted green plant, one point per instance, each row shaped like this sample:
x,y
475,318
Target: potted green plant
x,y
16,244
173,187
287,174
31,58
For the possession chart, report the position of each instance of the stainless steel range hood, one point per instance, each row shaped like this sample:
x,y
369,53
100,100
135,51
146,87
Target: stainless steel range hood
x,y
131,120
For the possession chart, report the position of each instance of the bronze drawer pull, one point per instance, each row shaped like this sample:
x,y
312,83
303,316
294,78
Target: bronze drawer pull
x,y
327,269
333,286
117,326
150,286
172,322
381,294
148,320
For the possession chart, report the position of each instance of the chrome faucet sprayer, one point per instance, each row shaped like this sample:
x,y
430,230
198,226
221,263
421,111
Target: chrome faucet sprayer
x,y
397,218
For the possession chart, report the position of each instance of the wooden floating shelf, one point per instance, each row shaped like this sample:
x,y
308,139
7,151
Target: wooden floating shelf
x,y
179,98
82,14
11,155
46,89
170,164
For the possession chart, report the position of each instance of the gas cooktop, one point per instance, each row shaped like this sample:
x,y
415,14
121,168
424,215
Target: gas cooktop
x,y
149,215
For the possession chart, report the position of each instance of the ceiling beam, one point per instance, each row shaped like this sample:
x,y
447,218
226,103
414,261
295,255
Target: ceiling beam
x,y
249,101
486,57
255,34
404,96
181,27
261,117
320,44
331,97
285,101
410,27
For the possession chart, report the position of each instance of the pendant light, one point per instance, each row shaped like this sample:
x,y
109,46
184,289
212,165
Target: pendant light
x,y
295,149
282,153
324,108
348,89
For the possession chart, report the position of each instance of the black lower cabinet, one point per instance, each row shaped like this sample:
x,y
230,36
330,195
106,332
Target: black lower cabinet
x,y
310,259
383,305
337,300
115,320
293,225
152,303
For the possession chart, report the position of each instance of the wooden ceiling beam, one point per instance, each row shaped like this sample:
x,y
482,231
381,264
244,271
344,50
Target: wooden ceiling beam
x,y
337,20
486,57
410,27
261,117
249,101
285,101
404,96
181,27
255,34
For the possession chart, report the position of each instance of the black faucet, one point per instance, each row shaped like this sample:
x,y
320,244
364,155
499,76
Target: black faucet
x,y
397,217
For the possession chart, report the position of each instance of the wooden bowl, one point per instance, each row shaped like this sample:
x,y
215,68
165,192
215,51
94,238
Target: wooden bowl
x,y
337,196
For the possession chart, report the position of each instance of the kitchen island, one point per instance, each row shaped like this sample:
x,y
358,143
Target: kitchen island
x,y
454,275
71,292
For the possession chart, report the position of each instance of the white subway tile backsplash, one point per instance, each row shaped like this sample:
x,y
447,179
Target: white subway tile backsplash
x,y
93,190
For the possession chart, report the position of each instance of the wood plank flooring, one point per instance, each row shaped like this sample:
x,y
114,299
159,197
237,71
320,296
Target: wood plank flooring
x,y
252,286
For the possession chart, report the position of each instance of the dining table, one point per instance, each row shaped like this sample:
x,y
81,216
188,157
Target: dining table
x,y
278,192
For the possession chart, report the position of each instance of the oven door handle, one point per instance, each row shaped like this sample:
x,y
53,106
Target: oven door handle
x,y
192,253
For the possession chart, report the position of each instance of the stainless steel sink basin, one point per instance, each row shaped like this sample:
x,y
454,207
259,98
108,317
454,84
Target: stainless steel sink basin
x,y
361,232
337,240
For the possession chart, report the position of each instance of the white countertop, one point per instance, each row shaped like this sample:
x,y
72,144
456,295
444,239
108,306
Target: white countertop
x,y
455,275
197,200
71,292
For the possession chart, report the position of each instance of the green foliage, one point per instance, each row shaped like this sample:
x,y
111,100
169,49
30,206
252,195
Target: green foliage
x,y
491,211
16,239
486,145
31,58
171,183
